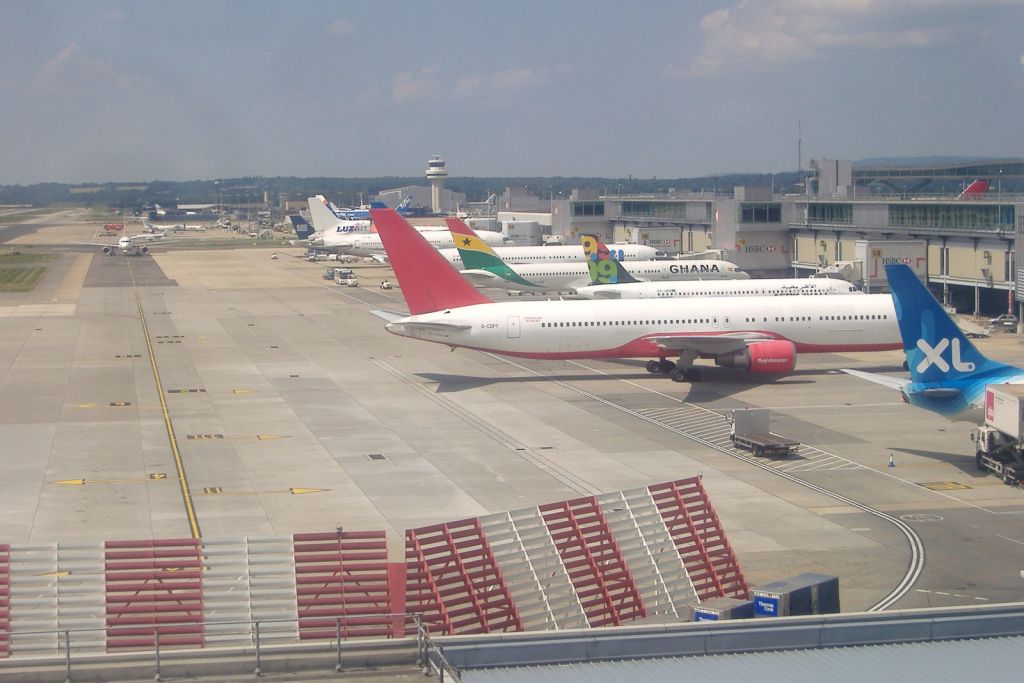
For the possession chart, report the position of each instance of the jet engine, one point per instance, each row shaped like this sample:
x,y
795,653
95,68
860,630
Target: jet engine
x,y
108,250
770,357
143,250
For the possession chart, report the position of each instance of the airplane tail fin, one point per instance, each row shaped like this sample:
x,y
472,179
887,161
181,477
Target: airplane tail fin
x,y
936,349
301,227
477,254
604,270
428,281
320,213
976,190
404,204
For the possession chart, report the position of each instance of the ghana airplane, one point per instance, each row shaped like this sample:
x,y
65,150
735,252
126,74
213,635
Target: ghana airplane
x,y
948,374
756,334
484,268
611,279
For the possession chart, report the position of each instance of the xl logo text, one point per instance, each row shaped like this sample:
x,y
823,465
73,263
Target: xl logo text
x,y
933,356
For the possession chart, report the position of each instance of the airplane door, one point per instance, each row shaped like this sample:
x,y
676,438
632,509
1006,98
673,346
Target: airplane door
x,y
513,327
726,324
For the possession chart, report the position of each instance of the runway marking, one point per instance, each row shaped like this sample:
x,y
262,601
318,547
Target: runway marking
x,y
917,551
293,491
1011,540
186,493
83,482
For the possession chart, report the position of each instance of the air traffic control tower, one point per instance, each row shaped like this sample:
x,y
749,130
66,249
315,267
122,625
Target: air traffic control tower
x,y
436,174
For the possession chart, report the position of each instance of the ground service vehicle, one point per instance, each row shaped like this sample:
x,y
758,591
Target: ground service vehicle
x,y
750,429
998,441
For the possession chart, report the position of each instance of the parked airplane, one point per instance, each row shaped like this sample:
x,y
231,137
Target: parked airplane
x,y
363,212
611,279
757,334
303,229
976,190
947,373
325,220
484,268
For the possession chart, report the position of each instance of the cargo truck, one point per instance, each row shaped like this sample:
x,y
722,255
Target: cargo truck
x,y
750,429
999,441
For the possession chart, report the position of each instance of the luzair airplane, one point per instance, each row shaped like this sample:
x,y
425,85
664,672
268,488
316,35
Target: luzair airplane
x,y
947,373
611,279
756,334
484,268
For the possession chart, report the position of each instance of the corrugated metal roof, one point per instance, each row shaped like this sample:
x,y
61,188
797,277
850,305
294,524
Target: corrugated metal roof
x,y
986,659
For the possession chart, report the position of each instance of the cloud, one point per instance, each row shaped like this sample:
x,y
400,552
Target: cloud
x,y
421,84
340,27
72,70
508,80
755,34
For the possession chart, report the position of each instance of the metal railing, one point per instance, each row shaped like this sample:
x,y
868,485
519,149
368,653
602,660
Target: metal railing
x,y
428,654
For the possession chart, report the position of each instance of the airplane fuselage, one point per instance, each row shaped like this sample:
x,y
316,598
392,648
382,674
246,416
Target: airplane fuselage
x,y
624,328
684,289
562,277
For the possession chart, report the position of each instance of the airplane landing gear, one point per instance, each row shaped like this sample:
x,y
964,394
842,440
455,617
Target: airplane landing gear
x,y
681,374
662,366
683,371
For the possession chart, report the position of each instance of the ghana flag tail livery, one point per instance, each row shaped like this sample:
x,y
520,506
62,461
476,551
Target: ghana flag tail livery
x,y
477,255
429,283
604,270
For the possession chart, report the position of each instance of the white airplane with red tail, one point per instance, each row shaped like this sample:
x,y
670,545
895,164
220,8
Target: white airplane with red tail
x,y
757,334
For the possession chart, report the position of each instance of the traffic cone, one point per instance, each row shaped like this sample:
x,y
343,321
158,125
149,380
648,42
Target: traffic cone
x,y
891,463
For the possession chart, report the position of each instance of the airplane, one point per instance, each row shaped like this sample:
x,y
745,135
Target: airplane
x,y
976,190
301,226
756,334
325,220
363,212
611,279
484,268
947,373
134,245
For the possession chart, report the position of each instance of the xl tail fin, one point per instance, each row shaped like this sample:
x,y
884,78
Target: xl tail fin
x,y
428,281
604,270
320,213
404,204
936,349
975,190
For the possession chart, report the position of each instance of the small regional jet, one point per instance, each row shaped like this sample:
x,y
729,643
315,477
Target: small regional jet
x,y
611,279
756,334
947,373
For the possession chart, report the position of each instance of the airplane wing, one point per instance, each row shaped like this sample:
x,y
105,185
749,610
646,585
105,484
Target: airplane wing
x,y
390,316
884,380
379,258
483,278
709,345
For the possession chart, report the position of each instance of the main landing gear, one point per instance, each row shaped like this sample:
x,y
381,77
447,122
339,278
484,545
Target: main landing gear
x,y
683,371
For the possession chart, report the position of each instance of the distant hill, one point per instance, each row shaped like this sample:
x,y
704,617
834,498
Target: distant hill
x,y
918,161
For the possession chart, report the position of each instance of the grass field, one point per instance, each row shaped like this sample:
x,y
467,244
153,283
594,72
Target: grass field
x,y
21,272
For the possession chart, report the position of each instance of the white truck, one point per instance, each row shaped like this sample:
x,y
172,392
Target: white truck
x,y
999,441
345,276
750,428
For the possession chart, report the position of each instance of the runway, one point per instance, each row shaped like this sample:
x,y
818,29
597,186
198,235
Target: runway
x,y
293,410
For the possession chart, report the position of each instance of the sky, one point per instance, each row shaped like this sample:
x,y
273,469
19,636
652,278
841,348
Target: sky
x,y
118,90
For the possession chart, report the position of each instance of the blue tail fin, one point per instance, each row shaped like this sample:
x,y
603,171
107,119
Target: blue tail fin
x,y
936,349
301,226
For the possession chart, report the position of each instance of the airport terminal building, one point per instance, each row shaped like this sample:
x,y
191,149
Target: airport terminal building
x,y
843,224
